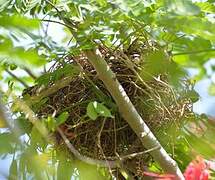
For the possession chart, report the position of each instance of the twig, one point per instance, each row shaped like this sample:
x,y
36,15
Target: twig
x,y
57,22
17,78
30,73
100,147
129,156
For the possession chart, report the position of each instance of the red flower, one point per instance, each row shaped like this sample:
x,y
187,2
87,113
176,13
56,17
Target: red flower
x,y
197,170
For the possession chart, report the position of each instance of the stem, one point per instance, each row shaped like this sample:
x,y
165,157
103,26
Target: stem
x,y
130,114
88,160
57,22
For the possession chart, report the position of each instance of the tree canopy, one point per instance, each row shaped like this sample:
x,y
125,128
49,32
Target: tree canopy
x,y
98,89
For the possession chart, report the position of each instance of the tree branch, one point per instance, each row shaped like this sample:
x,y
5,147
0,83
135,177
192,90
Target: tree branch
x,y
88,160
130,114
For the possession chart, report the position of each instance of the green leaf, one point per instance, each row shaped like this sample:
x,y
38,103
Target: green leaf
x,y
201,27
51,123
13,67
37,140
13,173
43,79
62,118
102,2
30,4
4,4
65,169
206,7
6,140
201,146
19,22
67,70
102,110
156,63
192,52
22,166
192,95
95,109
91,112
24,125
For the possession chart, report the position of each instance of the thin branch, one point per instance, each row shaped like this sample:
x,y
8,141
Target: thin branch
x,y
17,78
88,160
53,6
30,73
58,22
139,153
62,17
193,52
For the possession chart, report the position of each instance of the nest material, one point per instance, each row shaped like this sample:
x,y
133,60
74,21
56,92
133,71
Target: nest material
x,y
107,138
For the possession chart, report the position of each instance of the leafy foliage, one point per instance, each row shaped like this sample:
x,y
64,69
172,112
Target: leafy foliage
x,y
180,32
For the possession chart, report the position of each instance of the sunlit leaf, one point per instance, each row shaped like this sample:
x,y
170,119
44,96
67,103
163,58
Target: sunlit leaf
x,y
51,124
62,118
91,112
3,123
17,21
95,109
206,7
201,146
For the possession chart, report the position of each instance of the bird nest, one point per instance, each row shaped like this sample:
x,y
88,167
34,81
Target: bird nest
x,y
159,104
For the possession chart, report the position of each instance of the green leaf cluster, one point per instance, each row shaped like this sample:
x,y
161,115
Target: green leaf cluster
x,y
95,110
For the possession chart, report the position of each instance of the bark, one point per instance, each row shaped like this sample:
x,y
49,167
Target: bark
x,y
130,114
